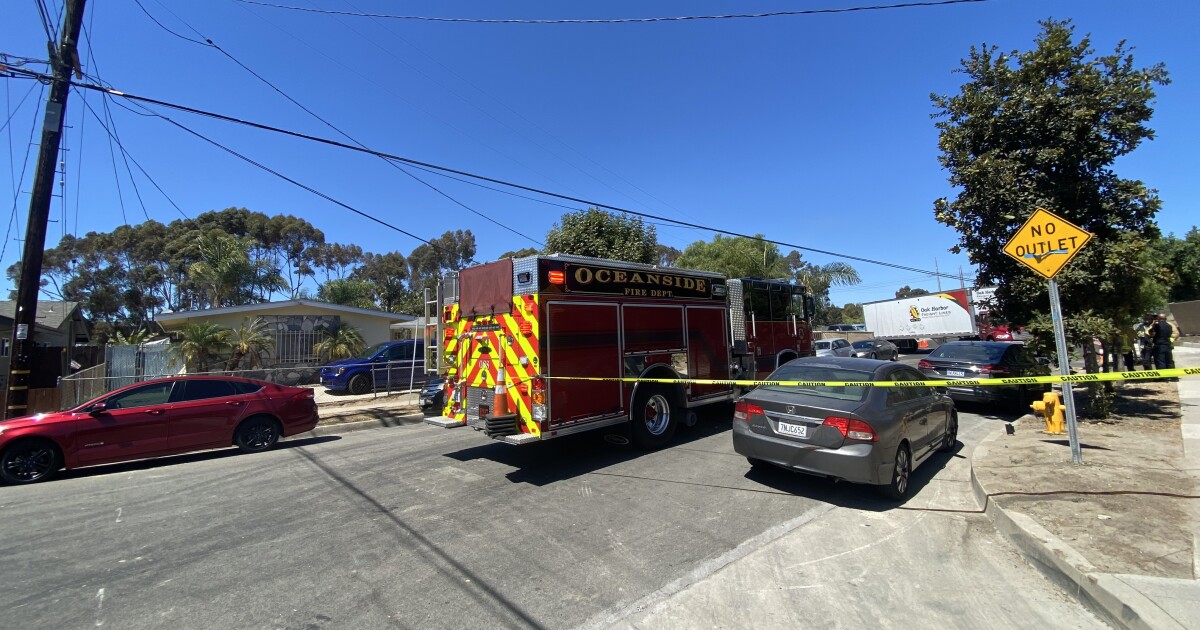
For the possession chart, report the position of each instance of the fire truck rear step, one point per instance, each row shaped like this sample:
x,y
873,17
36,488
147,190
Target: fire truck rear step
x,y
520,438
445,423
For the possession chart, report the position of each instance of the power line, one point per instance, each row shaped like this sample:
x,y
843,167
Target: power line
x,y
208,42
17,189
112,137
680,18
443,169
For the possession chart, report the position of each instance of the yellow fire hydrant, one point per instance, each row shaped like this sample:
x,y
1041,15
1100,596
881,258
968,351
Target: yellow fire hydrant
x,y
1051,407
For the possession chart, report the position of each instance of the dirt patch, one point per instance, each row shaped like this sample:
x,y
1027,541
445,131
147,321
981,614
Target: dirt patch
x,y
1124,508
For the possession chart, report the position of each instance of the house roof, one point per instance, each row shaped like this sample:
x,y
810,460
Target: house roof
x,y
267,307
50,313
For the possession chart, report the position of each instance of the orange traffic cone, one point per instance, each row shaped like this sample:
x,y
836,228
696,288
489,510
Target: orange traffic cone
x,y
500,399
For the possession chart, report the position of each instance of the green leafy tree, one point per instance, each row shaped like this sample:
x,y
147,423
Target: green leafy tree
x,y
907,292
520,253
853,314
594,232
386,274
350,292
1181,259
199,343
134,338
1043,128
449,252
738,257
340,342
226,273
249,342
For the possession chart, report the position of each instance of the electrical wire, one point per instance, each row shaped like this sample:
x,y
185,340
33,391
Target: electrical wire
x,y
444,169
681,18
208,42
129,157
16,189
44,14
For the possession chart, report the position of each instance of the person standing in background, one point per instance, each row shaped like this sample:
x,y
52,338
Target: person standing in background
x,y
1145,343
1163,335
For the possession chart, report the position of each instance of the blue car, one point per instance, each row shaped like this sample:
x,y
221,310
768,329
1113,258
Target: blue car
x,y
387,365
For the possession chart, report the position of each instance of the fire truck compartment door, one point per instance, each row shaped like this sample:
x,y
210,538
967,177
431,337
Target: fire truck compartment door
x,y
486,289
582,340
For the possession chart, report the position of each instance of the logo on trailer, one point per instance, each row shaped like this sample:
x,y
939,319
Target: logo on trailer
x,y
913,314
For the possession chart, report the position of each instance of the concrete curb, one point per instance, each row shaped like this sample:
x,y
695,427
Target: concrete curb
x,y
358,425
1117,602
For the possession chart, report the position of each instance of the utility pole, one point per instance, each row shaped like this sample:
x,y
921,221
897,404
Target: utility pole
x,y
63,62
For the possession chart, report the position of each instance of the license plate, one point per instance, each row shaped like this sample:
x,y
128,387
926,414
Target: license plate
x,y
958,373
794,430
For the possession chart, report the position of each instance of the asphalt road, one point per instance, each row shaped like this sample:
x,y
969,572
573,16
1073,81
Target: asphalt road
x,y
419,527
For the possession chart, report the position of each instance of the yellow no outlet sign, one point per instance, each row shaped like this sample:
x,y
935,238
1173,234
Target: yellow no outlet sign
x,y
1047,242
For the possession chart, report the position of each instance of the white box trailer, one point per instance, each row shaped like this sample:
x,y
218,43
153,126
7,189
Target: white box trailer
x,y
940,316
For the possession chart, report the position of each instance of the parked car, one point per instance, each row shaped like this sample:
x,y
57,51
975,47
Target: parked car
x,y
390,364
833,347
846,327
876,349
987,359
857,433
433,396
153,419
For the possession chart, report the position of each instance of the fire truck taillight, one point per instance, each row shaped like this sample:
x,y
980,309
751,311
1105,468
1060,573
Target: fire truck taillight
x,y
537,399
557,277
526,328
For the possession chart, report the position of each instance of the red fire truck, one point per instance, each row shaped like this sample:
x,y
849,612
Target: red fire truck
x,y
546,346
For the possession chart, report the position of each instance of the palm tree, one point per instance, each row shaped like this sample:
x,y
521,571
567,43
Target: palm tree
x,y
818,278
250,340
340,342
198,343
135,338
228,275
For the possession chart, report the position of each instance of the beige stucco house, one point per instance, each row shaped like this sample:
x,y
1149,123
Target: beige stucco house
x,y
297,325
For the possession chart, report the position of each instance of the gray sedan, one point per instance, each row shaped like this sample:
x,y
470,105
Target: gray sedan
x,y
858,433
876,349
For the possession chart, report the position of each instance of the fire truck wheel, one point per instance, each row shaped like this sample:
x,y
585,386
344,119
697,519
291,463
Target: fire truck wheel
x,y
653,417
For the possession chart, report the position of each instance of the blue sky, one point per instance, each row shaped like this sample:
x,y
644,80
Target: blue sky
x,y
814,130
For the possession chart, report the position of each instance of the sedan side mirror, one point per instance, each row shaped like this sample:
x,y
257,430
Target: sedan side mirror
x,y
98,408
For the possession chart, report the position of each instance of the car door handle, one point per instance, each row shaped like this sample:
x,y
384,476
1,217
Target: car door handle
x,y
233,403
155,412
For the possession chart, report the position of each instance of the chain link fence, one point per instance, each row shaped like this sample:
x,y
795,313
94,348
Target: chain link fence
x,y
397,381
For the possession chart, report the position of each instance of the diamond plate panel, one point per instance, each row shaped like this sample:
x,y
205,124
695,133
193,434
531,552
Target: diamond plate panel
x,y
737,309
525,265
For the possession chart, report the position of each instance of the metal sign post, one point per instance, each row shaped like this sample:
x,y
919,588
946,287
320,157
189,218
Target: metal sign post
x,y
1045,244
1064,369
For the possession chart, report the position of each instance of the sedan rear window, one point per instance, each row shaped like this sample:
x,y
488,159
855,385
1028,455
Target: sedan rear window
x,y
823,345
969,352
812,375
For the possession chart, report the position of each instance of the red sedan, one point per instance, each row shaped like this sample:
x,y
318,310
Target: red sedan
x,y
152,419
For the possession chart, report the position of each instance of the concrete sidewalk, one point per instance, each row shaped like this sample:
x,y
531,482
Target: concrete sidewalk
x,y
1120,530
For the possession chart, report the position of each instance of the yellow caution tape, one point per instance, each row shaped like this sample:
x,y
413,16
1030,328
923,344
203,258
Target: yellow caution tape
x,y
966,382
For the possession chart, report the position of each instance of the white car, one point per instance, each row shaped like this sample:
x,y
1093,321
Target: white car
x,y
834,347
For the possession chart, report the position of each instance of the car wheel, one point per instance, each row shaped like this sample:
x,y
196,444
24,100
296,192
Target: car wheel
x,y
360,384
874,356
653,417
951,434
897,488
896,355
256,435
29,461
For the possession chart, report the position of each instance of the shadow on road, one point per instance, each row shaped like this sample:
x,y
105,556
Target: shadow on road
x,y
845,494
173,460
571,456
